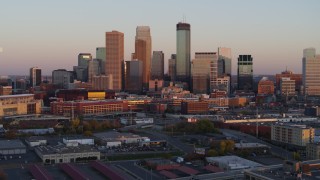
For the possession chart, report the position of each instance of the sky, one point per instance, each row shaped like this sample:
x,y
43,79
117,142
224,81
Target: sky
x,y
51,34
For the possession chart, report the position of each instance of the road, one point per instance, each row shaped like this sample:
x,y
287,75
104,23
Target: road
x,y
275,150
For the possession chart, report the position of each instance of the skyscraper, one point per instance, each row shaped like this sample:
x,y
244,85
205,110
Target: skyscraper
x,y
115,58
157,65
204,72
225,57
172,67
183,64
101,54
245,72
35,76
310,72
143,48
133,71
94,68
83,59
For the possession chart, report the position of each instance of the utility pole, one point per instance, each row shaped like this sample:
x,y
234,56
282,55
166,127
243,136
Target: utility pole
x,y
257,124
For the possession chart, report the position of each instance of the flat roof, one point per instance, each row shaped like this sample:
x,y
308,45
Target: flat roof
x,y
233,161
114,135
11,144
15,96
250,145
63,149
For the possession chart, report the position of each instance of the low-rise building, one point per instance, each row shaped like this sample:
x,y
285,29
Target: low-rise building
x,y
124,138
194,107
19,104
78,140
5,90
10,147
232,162
67,154
34,141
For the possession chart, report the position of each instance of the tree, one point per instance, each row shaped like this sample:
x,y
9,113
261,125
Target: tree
x,y
212,153
87,133
10,134
222,147
75,123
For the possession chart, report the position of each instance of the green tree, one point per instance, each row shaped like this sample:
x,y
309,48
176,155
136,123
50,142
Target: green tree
x,y
87,133
296,156
212,153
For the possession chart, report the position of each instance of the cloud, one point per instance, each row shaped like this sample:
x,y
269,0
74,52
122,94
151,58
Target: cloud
x,y
1,49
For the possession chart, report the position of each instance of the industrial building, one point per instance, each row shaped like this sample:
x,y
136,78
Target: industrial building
x,y
19,104
10,147
232,162
67,154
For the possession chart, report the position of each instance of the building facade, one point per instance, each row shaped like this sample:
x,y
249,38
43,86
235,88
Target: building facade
x,y
172,67
157,67
62,78
35,76
143,49
265,86
293,76
102,82
19,105
224,61
133,73
297,135
245,72
183,61
287,86
101,54
310,72
115,58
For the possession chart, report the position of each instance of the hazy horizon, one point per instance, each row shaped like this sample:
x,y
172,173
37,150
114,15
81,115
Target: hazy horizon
x,y
50,35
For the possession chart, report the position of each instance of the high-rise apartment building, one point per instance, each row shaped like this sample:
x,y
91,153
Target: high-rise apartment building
x,y
172,67
310,72
35,76
115,58
133,72
183,64
245,72
101,54
204,72
157,65
224,61
143,48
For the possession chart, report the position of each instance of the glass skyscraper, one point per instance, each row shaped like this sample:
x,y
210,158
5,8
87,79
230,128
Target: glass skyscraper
x,y
183,64
245,72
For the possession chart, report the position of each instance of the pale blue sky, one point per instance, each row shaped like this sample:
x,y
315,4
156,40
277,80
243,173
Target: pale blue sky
x,y
50,34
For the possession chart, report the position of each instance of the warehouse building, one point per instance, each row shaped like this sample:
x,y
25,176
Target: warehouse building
x,y
10,147
67,154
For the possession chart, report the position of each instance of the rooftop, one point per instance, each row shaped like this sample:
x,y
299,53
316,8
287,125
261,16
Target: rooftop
x,y
63,149
11,144
16,96
250,145
233,162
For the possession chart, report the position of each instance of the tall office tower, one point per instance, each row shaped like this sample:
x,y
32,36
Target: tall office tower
x,y
101,82
172,67
115,58
35,76
224,61
183,64
245,73
94,68
133,72
310,72
83,59
204,72
143,48
101,54
265,86
157,65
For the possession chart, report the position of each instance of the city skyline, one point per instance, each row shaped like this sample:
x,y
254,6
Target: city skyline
x,y
50,35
